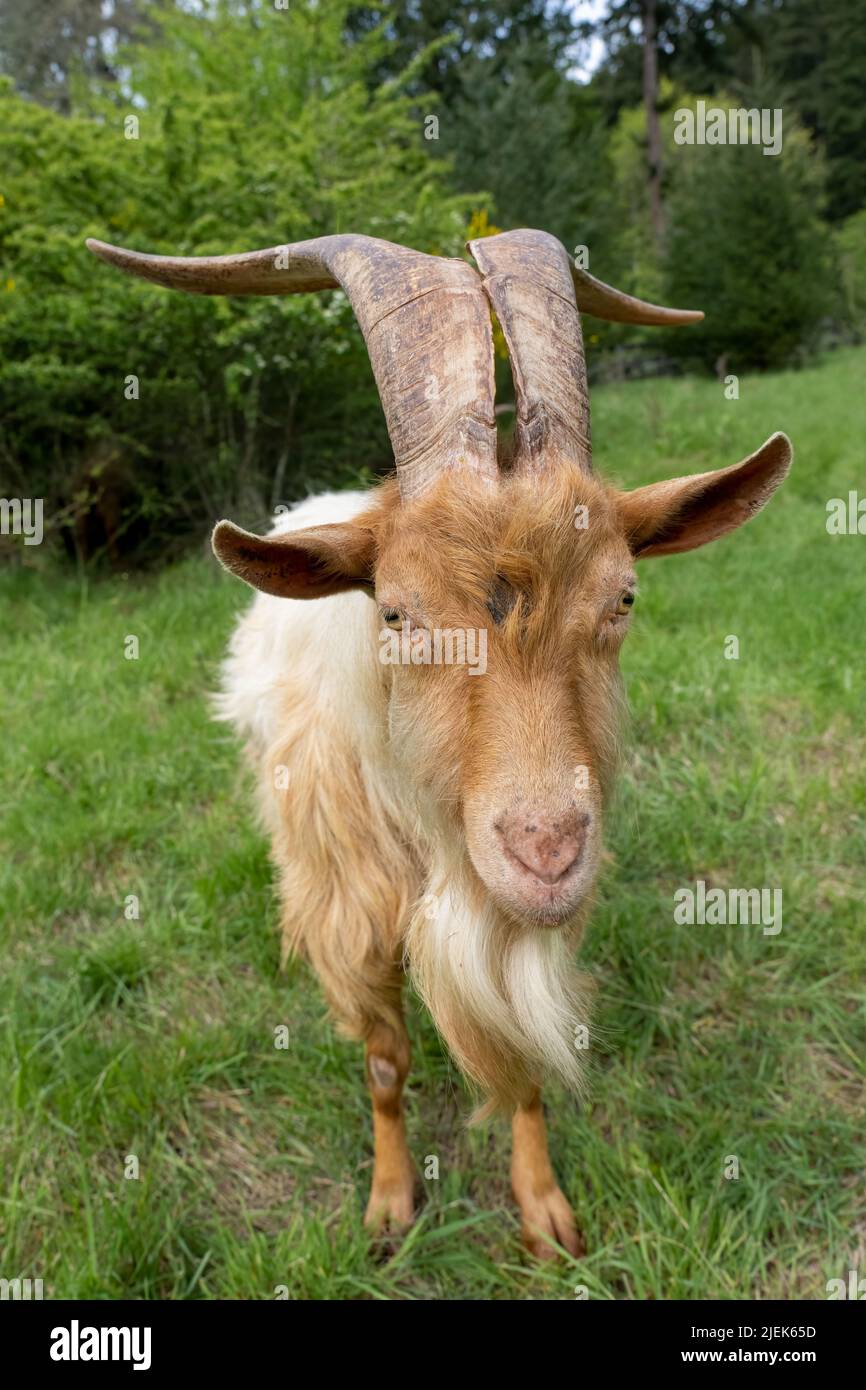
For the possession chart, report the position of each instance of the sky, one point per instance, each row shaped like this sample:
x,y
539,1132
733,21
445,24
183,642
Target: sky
x,y
594,50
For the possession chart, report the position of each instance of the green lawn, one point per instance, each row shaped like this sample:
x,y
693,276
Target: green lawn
x,y
155,1037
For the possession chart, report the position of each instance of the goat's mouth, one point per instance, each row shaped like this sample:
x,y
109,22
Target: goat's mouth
x,y
532,899
531,896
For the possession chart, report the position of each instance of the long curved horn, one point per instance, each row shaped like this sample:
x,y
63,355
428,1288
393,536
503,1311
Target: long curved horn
x,y
425,321
602,301
527,279
537,293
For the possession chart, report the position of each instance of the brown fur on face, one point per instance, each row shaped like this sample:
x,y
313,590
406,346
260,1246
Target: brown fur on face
x,y
538,729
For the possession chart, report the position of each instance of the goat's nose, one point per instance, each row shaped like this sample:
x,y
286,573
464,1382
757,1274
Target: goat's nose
x,y
546,845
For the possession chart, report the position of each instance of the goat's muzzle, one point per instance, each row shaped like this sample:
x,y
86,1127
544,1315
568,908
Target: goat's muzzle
x,y
539,861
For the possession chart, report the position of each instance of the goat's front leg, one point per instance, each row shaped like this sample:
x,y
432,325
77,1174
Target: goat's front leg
x,y
392,1196
545,1214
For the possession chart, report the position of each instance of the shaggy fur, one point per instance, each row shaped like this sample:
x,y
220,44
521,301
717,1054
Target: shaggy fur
x,y
417,812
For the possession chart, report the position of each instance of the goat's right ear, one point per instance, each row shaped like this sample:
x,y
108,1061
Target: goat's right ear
x,y
313,563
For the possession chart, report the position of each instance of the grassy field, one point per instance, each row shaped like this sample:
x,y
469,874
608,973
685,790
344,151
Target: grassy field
x,y
154,1038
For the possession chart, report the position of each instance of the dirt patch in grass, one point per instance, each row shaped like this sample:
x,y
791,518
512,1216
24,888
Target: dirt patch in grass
x,y
816,1071
239,1159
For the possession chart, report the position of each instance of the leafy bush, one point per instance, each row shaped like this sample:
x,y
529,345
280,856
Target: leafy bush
x,y
252,131
746,245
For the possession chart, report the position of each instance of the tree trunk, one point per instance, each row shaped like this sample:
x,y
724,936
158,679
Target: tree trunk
x,y
653,129
280,473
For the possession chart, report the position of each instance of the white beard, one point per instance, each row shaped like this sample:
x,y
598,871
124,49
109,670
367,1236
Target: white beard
x,y
507,999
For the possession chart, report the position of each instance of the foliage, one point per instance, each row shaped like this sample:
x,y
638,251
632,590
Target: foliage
x,y
851,253
746,242
741,228
258,126
44,44
249,134
804,58
816,58
451,42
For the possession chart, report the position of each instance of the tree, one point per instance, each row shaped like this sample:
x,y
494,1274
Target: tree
x,y
697,44
45,43
494,77
440,39
851,250
743,230
686,41
817,62
650,102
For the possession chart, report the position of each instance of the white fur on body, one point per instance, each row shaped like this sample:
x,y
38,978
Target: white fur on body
x,y
321,641
370,871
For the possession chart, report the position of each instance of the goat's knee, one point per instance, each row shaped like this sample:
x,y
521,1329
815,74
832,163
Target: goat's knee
x,y
388,1057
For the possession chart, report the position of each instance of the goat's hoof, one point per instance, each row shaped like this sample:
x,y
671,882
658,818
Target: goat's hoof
x,y
548,1221
391,1206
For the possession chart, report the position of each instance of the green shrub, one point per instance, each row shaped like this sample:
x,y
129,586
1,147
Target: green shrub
x,y
746,245
252,131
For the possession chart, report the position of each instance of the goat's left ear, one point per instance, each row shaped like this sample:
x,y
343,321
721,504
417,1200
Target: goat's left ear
x,y
683,513
312,563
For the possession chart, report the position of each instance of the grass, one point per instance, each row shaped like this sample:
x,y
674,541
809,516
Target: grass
x,y
154,1037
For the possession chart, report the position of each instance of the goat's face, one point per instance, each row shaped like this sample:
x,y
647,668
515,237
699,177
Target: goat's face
x,y
501,614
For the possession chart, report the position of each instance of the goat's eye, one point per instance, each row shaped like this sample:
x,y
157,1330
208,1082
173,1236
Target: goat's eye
x,y
626,602
390,615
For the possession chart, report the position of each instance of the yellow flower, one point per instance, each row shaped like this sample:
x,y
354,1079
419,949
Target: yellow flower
x,y
479,226
10,285
2,200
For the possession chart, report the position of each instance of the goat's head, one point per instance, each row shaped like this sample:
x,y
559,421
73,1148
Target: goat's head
x,y
532,560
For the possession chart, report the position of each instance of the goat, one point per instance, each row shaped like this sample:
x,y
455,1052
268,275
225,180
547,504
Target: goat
x,y
420,817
